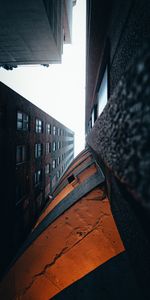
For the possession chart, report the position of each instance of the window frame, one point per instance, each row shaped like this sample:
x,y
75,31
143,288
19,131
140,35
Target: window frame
x,y
38,125
54,130
48,128
37,177
24,121
38,150
54,146
47,169
23,154
53,164
47,148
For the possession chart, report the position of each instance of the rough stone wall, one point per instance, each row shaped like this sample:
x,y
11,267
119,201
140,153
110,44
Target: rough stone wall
x,y
121,135
129,30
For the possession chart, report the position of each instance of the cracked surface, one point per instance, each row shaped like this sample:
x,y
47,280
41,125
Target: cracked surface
x,y
81,239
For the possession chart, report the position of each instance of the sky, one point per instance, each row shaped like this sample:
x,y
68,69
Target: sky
x,y
59,89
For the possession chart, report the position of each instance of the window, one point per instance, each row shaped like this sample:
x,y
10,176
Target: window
x,y
62,169
38,124
21,154
58,161
48,128
54,181
103,93
38,150
37,177
48,148
54,130
54,164
22,121
94,115
59,144
58,174
47,169
58,131
54,146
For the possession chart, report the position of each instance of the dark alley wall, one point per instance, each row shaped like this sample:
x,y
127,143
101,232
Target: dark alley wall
x,y
116,33
120,135
128,32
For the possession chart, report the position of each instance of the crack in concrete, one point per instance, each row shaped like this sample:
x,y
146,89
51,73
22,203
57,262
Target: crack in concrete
x,y
94,227
42,273
62,252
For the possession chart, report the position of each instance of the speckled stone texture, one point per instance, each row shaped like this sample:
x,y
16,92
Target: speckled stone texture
x,y
121,135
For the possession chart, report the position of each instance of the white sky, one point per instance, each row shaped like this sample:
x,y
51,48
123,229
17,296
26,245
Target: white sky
x,y
60,89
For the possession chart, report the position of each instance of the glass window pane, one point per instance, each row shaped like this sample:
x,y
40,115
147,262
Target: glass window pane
x,y
19,116
103,93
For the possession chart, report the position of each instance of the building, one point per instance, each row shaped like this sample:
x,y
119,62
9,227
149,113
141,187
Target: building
x,y
93,240
34,32
35,152
118,121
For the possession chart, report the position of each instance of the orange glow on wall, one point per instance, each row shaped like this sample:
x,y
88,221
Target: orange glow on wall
x,y
78,241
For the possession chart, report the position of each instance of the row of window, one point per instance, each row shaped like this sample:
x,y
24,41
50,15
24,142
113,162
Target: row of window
x,y
23,124
21,151
23,188
68,152
69,159
38,173
59,172
56,162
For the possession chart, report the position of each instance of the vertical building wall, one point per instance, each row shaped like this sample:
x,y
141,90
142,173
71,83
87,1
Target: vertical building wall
x,y
28,174
116,33
33,32
120,136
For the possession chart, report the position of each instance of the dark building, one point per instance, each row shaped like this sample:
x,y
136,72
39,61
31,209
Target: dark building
x,y
33,32
94,236
118,120
35,151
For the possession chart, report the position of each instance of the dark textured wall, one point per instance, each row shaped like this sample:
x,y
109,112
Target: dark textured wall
x,y
124,29
129,31
121,135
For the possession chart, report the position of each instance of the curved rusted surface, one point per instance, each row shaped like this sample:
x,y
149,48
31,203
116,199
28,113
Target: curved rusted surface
x,y
78,240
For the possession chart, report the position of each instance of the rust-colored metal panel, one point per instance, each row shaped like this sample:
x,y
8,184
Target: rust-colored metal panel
x,y
81,239
67,189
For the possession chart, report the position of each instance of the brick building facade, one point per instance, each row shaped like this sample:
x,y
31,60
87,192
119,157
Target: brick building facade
x,y
35,151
